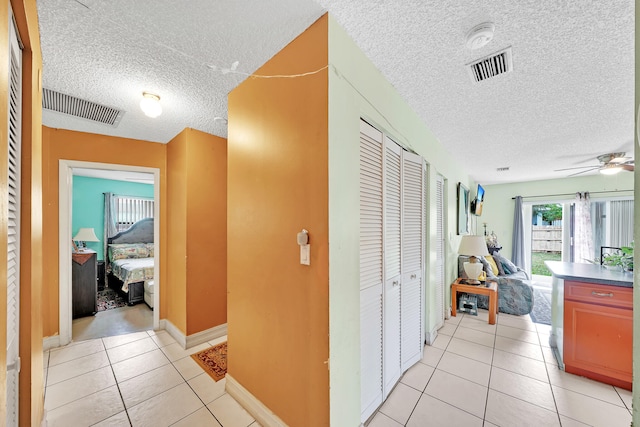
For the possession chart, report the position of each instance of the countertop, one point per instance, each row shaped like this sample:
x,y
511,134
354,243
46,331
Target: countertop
x,y
591,273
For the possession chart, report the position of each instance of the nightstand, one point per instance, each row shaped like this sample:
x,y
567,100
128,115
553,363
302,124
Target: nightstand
x,y
84,283
490,290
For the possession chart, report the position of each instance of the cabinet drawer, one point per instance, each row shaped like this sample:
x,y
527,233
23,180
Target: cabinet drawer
x,y
616,296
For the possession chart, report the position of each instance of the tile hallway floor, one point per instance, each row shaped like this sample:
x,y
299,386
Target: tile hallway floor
x,y
137,379
477,374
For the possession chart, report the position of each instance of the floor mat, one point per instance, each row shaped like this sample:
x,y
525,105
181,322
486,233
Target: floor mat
x,y
213,360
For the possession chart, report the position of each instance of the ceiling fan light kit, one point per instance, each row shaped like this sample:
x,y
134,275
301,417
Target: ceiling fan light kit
x,y
610,164
150,105
610,169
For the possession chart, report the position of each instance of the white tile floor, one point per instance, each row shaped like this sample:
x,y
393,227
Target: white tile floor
x,y
137,379
478,374
475,374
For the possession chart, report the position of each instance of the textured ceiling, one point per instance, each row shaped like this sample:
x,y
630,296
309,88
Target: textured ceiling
x,y
568,99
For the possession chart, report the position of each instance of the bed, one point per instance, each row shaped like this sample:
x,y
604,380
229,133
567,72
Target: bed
x,y
130,261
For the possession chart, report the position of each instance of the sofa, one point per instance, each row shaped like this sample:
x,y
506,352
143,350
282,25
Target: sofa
x,y
515,293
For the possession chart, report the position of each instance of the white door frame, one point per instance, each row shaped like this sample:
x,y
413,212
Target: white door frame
x,y
65,194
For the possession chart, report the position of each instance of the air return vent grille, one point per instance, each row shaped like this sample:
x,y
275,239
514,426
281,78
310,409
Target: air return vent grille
x,y
67,104
491,66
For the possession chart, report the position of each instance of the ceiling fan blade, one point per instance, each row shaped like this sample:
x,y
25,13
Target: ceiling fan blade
x,y
628,167
581,172
577,167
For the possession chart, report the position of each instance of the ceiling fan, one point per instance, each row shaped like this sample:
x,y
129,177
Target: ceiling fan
x,y
610,164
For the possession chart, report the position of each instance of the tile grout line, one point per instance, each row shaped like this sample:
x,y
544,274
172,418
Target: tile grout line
x,y
126,410
493,352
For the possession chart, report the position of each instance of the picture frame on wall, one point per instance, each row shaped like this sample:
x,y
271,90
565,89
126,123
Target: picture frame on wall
x,y
463,209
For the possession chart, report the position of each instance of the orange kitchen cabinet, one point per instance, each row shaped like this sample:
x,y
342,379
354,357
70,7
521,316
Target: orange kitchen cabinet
x,y
598,332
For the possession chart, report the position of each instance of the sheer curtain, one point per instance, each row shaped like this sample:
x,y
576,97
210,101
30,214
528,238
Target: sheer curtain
x,y
583,238
517,242
621,220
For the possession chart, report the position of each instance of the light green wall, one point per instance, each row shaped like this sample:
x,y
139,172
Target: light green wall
x,y
498,206
357,89
88,204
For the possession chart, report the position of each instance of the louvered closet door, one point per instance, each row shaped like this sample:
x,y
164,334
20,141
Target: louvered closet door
x,y
371,269
392,264
440,269
411,296
13,230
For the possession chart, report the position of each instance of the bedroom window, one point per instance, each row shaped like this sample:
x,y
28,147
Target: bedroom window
x,y
129,210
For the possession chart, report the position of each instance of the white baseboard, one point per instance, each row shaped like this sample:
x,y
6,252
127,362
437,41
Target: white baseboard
x,y
194,339
430,337
248,401
50,342
207,335
174,332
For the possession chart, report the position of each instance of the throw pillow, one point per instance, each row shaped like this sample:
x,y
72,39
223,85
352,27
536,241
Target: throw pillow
x,y
507,264
501,271
487,267
493,265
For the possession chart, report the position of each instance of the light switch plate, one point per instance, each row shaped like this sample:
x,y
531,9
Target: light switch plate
x,y
305,254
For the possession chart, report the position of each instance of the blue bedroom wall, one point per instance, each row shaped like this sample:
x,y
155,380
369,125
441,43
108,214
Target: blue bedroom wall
x,y
88,204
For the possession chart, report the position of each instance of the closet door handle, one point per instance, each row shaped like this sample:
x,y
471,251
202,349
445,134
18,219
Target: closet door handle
x,y
395,283
413,276
602,294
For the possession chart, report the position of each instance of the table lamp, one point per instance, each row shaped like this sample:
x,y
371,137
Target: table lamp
x,y
473,246
85,235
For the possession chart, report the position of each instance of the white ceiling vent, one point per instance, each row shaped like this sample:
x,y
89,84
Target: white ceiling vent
x,y
491,66
67,104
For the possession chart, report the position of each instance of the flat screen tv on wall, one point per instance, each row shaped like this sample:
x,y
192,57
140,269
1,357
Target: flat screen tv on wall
x,y
476,205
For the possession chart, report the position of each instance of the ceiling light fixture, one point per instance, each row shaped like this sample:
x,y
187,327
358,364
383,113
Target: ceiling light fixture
x,y
480,35
610,169
150,104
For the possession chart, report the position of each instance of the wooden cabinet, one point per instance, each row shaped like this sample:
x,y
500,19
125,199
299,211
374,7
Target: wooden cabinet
x,y
84,284
598,332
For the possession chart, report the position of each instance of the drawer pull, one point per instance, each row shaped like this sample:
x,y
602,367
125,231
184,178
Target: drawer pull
x,y
602,294
395,283
413,276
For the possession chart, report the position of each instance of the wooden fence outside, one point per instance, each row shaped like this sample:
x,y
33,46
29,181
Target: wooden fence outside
x,y
546,238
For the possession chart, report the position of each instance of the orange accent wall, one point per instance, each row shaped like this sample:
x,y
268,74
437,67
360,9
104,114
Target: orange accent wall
x,y
177,228
278,319
197,228
70,145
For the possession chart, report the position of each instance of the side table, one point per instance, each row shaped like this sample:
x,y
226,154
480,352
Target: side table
x,y
490,289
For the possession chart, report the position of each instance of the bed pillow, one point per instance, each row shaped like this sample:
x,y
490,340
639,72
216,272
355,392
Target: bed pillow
x,y
128,251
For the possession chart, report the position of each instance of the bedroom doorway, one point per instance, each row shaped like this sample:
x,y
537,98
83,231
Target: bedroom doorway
x,y
109,319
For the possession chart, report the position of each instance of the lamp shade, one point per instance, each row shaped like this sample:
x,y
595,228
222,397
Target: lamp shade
x,y
86,235
473,245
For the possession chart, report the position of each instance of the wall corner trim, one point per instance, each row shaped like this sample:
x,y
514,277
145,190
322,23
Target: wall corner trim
x,y
249,402
194,339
